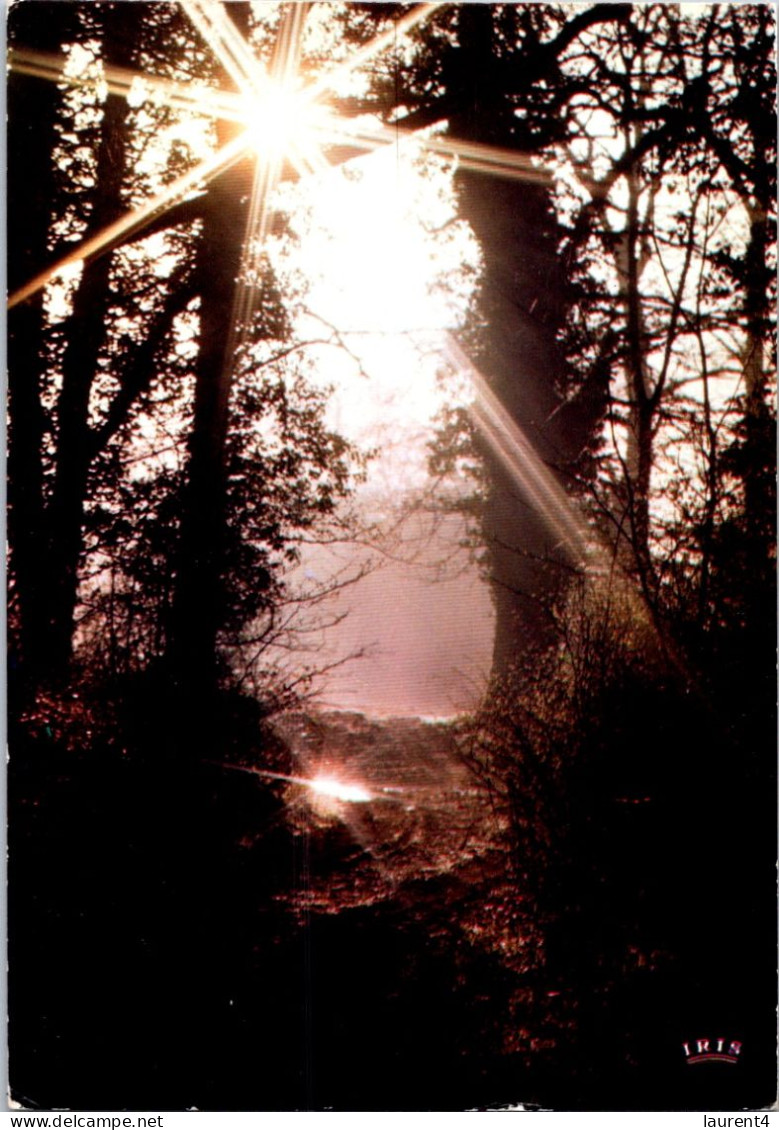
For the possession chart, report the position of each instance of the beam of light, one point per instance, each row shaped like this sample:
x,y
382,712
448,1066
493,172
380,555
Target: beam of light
x,y
229,46
286,117
532,476
284,68
279,112
337,790
332,78
125,83
133,221
479,158
329,787
225,40
289,46
562,517
280,117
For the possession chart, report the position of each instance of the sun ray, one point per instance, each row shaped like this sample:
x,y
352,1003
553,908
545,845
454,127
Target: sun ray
x,y
231,49
284,67
123,81
348,792
136,219
488,159
229,106
228,45
521,460
281,112
479,158
332,78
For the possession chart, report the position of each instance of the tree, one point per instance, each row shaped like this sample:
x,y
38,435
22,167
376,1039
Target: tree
x,y
61,367
623,286
479,71
29,199
116,352
645,124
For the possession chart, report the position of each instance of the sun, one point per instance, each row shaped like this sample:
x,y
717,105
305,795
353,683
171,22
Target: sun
x,y
339,790
283,122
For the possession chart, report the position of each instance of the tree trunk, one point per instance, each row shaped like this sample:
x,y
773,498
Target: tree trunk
x,y
32,107
643,405
522,303
86,338
759,437
198,602
197,607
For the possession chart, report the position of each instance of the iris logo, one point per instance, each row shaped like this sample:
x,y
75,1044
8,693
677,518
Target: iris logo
x,y
712,1051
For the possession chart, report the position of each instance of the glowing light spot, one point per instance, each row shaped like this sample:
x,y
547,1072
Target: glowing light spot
x,y
338,790
283,121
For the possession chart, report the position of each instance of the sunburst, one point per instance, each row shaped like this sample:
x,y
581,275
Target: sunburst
x,y
283,121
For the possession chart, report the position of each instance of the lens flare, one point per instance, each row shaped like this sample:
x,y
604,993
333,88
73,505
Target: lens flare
x,y
329,787
338,790
132,222
537,483
284,123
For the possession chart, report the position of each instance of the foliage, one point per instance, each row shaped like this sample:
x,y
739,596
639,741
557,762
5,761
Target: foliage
x,y
631,703
644,375
120,357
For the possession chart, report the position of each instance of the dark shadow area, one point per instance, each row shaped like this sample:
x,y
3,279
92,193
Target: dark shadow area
x,y
158,962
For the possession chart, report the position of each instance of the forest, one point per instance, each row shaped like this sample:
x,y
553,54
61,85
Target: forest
x,y
222,894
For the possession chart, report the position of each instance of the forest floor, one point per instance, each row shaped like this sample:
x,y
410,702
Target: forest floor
x,y
426,816
202,935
